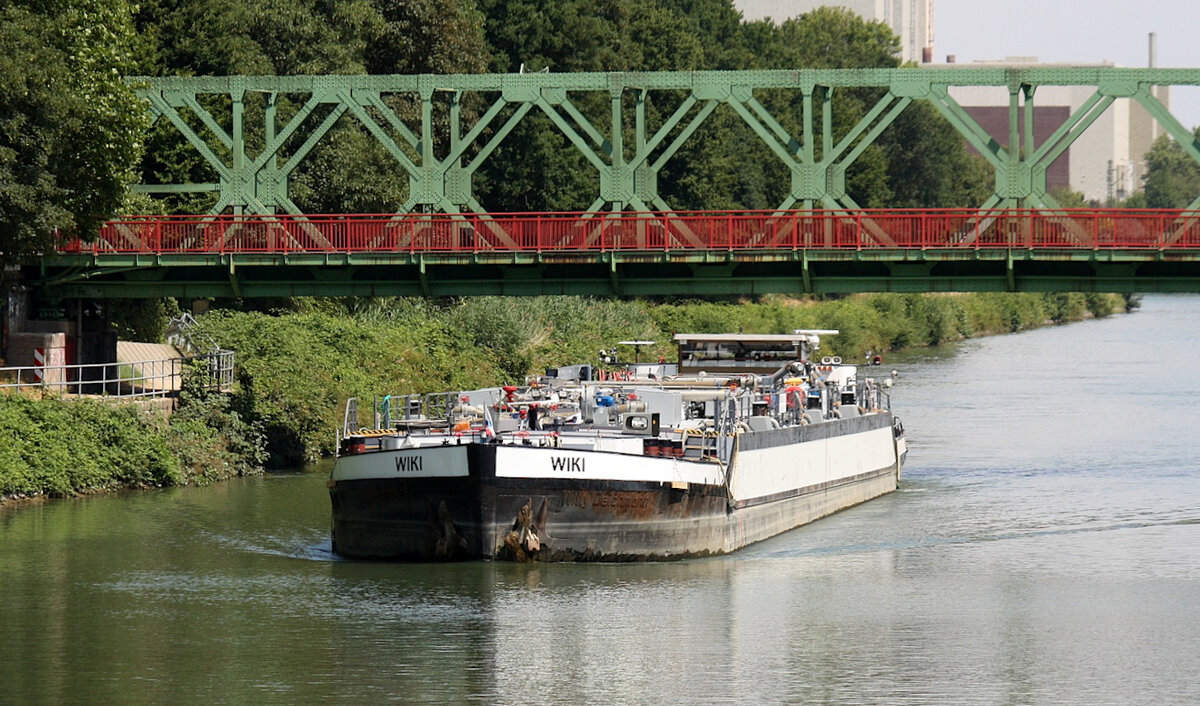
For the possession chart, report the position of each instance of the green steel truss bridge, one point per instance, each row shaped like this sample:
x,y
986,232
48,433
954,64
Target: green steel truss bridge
x,y
253,131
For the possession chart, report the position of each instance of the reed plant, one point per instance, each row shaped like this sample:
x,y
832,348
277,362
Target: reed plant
x,y
297,367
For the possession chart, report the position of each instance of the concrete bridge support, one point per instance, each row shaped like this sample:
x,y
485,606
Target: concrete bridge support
x,y
54,333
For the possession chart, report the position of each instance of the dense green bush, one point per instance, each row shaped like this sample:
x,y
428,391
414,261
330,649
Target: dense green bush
x,y
212,439
1066,306
1102,304
141,319
296,369
65,447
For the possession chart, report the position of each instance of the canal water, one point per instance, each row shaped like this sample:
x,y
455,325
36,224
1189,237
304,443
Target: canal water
x,y
1044,548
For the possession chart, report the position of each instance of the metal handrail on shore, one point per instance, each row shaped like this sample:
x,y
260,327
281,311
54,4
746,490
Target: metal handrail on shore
x,y
130,380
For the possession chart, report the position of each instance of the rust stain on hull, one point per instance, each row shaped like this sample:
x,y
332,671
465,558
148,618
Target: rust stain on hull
x,y
615,525
626,504
524,541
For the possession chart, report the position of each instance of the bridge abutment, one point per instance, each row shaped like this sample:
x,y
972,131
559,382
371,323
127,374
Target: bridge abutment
x,y
46,332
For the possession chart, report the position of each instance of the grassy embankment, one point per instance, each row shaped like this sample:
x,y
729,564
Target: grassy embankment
x,y
52,447
297,367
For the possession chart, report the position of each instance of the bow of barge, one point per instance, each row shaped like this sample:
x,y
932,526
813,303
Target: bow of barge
x,y
650,462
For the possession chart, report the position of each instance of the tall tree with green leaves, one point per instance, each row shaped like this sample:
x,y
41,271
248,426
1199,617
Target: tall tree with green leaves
x,y
348,170
537,168
225,37
717,24
928,165
70,129
825,38
1172,177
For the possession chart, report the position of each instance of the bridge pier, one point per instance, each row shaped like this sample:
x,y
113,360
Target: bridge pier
x,y
48,332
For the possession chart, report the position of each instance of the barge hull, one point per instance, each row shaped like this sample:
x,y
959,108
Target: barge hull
x,y
484,516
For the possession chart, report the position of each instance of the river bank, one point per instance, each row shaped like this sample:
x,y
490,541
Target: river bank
x,y
59,448
297,366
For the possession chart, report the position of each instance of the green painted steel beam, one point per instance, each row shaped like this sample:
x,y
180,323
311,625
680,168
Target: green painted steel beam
x,y
626,164
165,262
604,286
620,273
907,81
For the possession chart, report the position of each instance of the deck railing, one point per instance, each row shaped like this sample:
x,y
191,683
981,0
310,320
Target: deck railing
x,y
130,380
967,229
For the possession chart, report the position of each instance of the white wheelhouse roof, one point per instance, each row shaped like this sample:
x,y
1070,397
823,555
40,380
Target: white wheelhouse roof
x,y
801,336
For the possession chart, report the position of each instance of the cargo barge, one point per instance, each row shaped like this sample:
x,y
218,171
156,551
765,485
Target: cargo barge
x,y
747,436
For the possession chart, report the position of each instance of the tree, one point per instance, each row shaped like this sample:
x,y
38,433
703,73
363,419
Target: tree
x,y
1172,177
717,25
928,164
538,168
70,129
825,38
559,35
426,37
224,37
1068,197
918,161
348,170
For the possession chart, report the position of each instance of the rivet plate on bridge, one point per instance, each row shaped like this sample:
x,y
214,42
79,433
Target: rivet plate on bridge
x,y
554,95
741,93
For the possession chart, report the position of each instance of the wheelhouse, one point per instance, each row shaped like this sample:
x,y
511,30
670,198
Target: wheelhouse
x,y
720,353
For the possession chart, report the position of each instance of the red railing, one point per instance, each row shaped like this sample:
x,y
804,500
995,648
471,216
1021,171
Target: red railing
x,y
966,229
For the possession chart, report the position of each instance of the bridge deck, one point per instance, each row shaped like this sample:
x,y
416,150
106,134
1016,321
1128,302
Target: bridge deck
x,y
634,253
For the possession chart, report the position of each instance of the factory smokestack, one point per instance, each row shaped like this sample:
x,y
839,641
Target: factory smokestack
x,y
927,50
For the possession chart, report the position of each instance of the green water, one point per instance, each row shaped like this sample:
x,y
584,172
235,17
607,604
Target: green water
x,y
1044,548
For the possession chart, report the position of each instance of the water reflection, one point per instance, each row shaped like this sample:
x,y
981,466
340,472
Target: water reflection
x,y
1044,547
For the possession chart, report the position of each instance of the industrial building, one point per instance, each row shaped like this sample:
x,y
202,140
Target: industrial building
x,y
1106,163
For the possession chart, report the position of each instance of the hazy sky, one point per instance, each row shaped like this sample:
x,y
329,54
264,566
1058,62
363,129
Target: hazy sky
x,y
1076,31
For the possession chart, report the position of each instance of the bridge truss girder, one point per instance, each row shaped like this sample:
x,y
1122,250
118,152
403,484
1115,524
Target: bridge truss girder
x,y
627,153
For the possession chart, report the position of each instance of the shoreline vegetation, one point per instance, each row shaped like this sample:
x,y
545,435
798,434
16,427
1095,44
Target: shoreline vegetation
x,y
54,448
297,365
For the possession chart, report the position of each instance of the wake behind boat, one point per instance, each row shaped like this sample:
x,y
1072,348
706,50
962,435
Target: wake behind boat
x,y
744,438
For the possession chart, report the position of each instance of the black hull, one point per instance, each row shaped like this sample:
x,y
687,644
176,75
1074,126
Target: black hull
x,y
483,516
